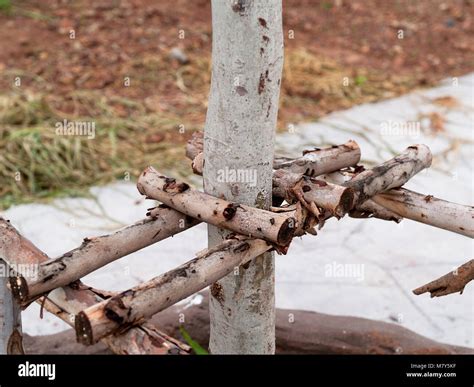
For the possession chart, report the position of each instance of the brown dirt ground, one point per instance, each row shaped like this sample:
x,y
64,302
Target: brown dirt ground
x,y
326,43
115,39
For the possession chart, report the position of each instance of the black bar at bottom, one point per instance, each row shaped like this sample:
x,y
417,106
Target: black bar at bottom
x,y
319,370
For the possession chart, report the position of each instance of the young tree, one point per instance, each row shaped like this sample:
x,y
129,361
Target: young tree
x,y
247,60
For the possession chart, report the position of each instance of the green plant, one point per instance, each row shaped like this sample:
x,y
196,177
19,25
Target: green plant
x,y
5,5
360,80
198,350
327,5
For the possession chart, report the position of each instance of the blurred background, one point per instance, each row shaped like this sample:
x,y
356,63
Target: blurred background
x,y
140,70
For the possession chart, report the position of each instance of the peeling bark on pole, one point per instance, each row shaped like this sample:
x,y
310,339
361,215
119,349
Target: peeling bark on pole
x,y
429,210
391,174
10,317
426,209
99,251
247,60
313,162
67,301
241,219
143,301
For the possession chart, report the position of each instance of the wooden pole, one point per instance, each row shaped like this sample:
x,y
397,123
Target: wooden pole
x,y
390,174
453,282
422,208
99,251
429,210
338,202
238,218
67,301
143,301
314,162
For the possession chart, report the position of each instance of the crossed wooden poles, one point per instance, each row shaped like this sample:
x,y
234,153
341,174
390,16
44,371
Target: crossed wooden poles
x,y
321,184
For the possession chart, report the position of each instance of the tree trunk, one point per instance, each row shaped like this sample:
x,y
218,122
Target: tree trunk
x,y
10,317
247,60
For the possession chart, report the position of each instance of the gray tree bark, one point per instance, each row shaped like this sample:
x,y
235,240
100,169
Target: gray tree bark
x,y
10,317
247,60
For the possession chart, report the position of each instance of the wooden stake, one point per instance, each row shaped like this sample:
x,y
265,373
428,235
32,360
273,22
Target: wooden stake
x,y
429,210
67,301
99,251
141,302
294,185
391,174
320,161
426,209
452,282
241,219
313,162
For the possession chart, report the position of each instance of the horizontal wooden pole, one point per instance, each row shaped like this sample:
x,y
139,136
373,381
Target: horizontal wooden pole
x,y
321,160
429,210
141,302
314,162
335,201
291,179
144,339
422,208
241,219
